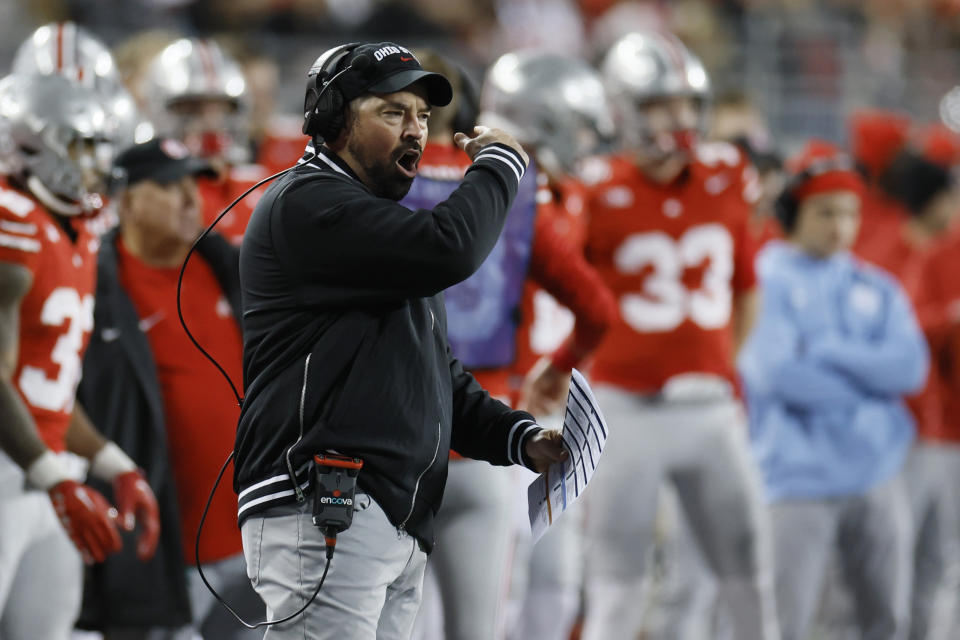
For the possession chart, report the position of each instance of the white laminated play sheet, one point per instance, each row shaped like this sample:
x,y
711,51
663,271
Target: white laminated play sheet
x,y
584,435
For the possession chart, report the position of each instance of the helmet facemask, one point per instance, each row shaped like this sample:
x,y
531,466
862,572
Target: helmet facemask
x,y
196,93
70,175
56,141
660,92
660,128
210,128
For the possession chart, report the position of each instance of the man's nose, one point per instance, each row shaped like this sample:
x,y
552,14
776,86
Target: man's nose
x,y
413,128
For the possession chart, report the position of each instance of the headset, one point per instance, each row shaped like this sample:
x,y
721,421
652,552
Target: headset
x,y
323,102
323,117
787,206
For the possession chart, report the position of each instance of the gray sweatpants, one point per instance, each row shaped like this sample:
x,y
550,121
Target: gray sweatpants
x,y
547,576
471,561
41,572
932,476
702,449
372,591
875,537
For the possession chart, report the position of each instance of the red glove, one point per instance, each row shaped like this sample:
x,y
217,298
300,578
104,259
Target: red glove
x,y
136,503
88,518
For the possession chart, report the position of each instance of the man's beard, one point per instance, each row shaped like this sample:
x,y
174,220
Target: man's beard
x,y
386,181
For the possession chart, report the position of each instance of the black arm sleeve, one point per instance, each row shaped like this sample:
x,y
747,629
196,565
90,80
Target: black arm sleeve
x,y
333,231
483,427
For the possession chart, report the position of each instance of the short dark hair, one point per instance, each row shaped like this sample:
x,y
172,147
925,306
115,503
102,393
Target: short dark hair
x,y
914,181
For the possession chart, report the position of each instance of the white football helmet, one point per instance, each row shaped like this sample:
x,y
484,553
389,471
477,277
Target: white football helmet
x,y
646,66
554,103
66,49
55,139
195,92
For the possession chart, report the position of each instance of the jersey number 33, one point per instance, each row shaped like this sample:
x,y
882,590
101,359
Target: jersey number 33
x,y
665,301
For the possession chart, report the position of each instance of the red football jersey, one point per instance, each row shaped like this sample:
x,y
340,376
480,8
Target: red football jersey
x,y
282,144
545,323
675,256
56,315
216,195
938,310
893,252
881,219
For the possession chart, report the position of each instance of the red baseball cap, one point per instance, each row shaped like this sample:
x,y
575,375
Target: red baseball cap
x,y
821,167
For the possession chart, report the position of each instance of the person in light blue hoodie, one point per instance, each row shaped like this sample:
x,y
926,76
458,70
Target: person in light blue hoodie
x,y
835,348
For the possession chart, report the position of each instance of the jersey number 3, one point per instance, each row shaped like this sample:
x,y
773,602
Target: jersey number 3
x,y
64,304
665,302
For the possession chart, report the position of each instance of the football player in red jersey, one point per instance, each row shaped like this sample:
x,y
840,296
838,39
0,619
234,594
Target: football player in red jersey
x,y
69,50
669,233
53,133
920,253
935,462
557,108
478,508
195,92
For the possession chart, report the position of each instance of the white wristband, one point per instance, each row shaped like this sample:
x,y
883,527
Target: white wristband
x,y
110,462
46,471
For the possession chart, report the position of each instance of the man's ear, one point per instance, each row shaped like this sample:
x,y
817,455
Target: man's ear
x,y
349,123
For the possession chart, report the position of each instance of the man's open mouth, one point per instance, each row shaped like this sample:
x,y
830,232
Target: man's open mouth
x,y
408,162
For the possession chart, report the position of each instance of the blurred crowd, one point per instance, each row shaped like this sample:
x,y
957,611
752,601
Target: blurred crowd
x,y
806,62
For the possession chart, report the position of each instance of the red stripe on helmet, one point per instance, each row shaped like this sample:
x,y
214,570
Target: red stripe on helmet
x,y
60,46
209,68
675,53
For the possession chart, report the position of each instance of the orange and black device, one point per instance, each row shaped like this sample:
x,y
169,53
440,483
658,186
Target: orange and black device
x,y
334,488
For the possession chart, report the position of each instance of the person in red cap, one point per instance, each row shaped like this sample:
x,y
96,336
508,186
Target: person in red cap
x,y
835,348
877,137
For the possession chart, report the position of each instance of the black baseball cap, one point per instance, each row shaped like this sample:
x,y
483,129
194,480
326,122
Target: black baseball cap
x,y
389,68
162,160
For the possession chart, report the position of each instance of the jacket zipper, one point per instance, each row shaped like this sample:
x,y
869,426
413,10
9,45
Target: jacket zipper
x,y
303,396
416,488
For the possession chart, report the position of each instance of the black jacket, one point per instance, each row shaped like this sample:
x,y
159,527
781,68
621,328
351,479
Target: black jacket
x,y
121,394
345,344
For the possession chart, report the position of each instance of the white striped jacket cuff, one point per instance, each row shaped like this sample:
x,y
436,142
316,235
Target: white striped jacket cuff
x,y
502,156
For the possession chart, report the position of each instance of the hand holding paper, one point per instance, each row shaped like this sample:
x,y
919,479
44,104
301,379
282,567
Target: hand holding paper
x,y
546,448
584,436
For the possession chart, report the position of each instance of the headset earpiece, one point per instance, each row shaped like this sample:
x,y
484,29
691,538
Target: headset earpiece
x,y
323,103
329,112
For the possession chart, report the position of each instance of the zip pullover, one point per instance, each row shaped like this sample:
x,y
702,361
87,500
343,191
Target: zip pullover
x,y
345,338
